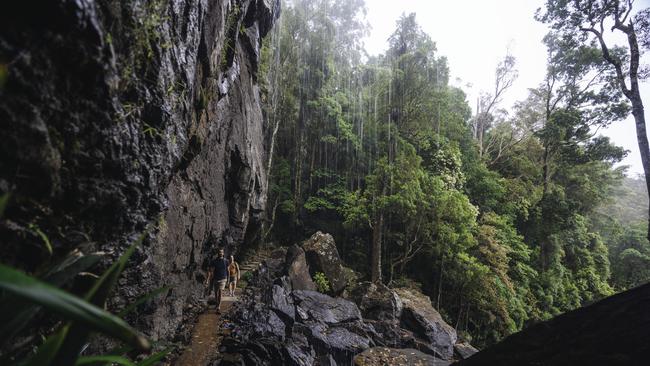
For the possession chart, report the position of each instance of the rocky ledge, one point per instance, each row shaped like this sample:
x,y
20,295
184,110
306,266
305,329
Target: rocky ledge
x,y
282,320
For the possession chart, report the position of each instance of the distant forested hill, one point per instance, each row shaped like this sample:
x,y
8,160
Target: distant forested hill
x,y
629,202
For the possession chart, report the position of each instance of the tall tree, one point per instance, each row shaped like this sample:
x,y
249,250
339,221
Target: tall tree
x,y
504,76
588,21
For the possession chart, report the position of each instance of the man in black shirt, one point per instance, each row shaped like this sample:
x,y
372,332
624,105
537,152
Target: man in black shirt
x,y
218,274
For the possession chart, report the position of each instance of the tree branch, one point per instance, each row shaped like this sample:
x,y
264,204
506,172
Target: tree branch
x,y
611,59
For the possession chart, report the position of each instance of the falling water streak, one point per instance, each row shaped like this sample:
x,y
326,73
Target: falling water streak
x,y
438,87
275,40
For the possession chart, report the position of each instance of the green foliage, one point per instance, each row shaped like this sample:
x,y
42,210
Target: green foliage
x,y
24,295
502,228
630,258
142,40
322,283
150,130
46,241
4,201
68,306
247,276
93,360
231,28
60,274
143,299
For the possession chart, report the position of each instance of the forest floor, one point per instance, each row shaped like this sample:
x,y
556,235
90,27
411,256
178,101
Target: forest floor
x,y
206,335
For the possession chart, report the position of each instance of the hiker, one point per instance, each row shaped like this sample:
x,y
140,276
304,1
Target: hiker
x,y
233,275
218,275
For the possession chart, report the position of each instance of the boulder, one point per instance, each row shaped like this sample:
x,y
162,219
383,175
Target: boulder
x,y
298,351
322,256
336,342
383,356
376,301
282,303
464,350
296,265
312,305
419,316
265,323
275,263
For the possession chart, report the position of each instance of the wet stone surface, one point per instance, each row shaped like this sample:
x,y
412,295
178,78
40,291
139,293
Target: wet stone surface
x,y
277,324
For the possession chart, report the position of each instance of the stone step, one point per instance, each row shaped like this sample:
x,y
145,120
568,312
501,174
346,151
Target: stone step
x,y
253,262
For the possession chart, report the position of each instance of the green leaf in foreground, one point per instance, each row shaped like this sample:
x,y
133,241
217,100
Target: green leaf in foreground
x,y
155,358
69,306
142,299
46,351
78,333
4,199
111,359
44,238
15,314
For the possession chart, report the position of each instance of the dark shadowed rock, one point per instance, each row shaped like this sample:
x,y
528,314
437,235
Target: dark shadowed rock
x,y
464,350
282,302
318,329
322,256
274,265
116,126
377,301
337,342
266,323
382,356
312,305
298,350
297,269
613,331
419,316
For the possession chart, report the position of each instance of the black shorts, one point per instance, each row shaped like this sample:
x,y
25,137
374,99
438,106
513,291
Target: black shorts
x,y
232,279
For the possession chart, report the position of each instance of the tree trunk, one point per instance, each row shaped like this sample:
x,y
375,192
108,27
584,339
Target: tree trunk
x,y
442,272
632,93
642,139
545,171
375,261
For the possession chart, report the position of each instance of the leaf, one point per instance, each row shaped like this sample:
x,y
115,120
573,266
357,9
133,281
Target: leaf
x,y
142,299
4,200
71,266
155,358
44,238
47,351
15,314
78,333
91,360
69,306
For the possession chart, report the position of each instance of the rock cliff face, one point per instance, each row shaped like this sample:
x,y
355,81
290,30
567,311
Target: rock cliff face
x,y
120,115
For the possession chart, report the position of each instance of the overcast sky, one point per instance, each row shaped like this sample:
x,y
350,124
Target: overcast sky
x,y
475,34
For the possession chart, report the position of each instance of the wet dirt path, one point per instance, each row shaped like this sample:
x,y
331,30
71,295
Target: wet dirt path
x,y
206,336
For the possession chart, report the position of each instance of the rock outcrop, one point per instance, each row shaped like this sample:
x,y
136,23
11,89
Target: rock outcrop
x,y
321,329
613,331
464,350
322,256
420,317
297,269
377,301
121,115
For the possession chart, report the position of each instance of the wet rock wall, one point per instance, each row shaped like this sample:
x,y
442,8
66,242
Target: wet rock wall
x,y
119,117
